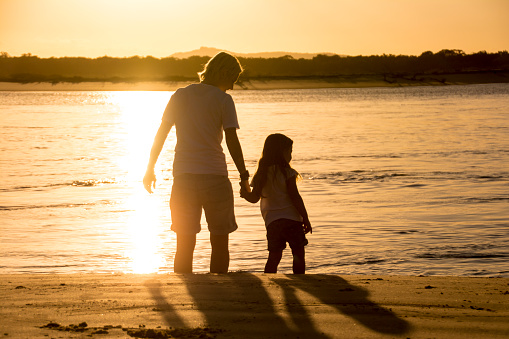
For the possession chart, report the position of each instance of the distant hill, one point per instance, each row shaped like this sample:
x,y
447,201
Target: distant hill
x,y
210,51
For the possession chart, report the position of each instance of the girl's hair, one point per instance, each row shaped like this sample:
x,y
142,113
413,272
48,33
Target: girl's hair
x,y
222,66
272,154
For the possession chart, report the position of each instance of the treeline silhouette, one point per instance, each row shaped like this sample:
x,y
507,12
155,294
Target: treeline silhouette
x,y
30,68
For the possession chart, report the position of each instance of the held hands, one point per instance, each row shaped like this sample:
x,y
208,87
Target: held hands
x,y
149,181
244,188
246,193
244,181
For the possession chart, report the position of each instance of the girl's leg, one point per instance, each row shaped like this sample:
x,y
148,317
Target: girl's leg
x,y
299,261
273,261
220,257
184,256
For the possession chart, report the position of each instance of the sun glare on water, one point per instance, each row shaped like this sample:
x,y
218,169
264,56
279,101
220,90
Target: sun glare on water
x,y
139,118
147,233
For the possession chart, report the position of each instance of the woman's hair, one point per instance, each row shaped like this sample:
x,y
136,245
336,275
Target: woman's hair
x,y
272,155
222,66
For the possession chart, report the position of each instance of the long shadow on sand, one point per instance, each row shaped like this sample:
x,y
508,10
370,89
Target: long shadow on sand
x,y
170,315
241,299
242,302
347,299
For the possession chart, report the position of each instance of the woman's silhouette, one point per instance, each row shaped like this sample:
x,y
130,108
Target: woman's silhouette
x,y
200,113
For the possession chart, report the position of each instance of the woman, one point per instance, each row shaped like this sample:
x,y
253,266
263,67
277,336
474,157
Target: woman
x,y
200,113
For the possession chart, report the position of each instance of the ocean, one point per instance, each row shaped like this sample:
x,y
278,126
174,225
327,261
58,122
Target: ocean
x,y
397,181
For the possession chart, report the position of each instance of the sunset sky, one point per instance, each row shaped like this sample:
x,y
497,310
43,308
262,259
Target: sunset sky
x,y
94,28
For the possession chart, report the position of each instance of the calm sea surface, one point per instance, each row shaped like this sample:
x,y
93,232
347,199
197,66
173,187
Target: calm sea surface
x,y
404,181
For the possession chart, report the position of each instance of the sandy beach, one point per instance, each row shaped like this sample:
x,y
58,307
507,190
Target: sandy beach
x,y
245,305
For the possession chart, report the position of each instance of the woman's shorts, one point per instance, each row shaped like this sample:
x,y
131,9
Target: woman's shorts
x,y
282,231
193,192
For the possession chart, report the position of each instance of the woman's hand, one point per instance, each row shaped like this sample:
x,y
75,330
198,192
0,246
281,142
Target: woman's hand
x,y
149,181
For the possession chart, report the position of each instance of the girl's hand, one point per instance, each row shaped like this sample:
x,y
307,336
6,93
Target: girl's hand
x,y
307,227
149,181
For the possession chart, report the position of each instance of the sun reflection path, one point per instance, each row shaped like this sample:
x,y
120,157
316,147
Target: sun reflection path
x,y
140,114
152,241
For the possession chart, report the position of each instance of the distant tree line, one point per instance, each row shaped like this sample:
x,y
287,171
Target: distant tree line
x,y
31,68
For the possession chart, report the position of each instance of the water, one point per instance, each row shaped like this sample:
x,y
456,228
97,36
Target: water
x,y
396,180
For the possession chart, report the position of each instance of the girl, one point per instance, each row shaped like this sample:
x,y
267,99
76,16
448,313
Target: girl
x,y
282,207
201,113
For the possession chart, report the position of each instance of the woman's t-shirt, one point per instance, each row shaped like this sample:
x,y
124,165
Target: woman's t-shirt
x,y
275,202
200,113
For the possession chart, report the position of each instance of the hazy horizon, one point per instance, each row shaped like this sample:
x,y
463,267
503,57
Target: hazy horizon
x,y
211,51
94,28
200,51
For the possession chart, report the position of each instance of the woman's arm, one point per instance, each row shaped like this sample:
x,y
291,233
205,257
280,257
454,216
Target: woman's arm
x,y
233,144
149,181
293,192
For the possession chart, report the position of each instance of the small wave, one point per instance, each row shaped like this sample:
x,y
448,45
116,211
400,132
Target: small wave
x,y
435,154
65,205
355,176
469,251
407,232
458,152
352,156
498,177
416,178
77,183
369,262
476,200
26,127
376,156
92,182
458,255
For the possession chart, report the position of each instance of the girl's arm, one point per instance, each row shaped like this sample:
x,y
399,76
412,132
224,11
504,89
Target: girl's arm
x,y
149,181
293,192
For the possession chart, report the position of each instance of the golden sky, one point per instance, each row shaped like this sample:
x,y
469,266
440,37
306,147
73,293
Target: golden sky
x,y
94,28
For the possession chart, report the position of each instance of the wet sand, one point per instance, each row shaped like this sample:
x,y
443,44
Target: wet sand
x,y
244,305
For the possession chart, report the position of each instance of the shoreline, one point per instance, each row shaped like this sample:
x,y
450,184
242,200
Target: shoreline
x,y
246,305
347,81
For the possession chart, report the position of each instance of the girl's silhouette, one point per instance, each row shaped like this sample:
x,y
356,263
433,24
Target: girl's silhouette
x,y
282,207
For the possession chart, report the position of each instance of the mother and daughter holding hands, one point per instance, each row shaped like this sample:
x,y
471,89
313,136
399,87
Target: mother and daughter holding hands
x,y
200,113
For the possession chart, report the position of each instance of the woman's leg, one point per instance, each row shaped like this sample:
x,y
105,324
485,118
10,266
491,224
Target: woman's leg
x,y
184,257
220,256
273,261
299,261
